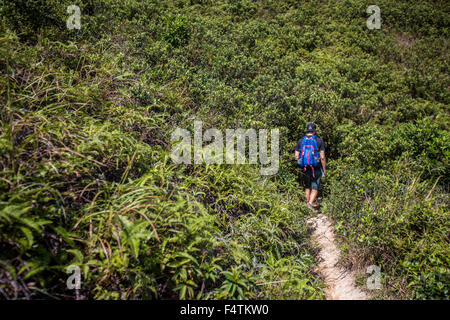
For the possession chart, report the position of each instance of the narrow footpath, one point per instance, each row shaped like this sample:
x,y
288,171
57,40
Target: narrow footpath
x,y
340,282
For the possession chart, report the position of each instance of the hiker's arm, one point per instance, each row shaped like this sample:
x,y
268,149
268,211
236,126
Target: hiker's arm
x,y
323,161
297,154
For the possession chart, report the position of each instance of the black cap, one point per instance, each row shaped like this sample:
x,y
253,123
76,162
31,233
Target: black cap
x,y
311,127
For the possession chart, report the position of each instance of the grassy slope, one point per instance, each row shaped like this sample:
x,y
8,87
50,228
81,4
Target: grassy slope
x,y
85,124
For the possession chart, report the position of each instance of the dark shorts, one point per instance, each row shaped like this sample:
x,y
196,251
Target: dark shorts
x,y
308,180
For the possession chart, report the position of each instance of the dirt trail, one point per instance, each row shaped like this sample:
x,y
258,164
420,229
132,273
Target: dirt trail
x,y
340,282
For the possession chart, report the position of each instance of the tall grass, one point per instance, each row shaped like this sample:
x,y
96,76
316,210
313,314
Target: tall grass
x,y
86,116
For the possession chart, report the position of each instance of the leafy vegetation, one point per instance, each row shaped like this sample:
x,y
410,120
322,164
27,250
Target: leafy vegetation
x,y
86,115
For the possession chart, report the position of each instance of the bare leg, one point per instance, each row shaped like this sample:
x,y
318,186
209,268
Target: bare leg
x,y
313,196
307,194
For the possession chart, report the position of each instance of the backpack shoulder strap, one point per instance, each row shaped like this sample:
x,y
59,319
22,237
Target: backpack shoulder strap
x,y
316,148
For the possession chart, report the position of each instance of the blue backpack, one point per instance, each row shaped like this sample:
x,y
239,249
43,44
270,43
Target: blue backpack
x,y
309,153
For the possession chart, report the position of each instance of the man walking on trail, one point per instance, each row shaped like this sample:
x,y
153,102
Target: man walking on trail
x,y
310,155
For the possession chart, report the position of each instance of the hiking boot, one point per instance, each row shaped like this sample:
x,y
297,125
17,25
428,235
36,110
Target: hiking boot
x,y
311,207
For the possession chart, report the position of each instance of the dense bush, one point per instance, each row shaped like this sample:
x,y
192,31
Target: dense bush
x,y
86,116
392,219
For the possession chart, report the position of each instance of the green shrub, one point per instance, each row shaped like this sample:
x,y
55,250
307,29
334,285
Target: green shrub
x,y
85,121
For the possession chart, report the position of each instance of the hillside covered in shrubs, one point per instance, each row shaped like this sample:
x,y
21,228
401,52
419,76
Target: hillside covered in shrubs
x,y
86,117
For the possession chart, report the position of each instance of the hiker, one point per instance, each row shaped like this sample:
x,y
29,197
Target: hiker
x,y
310,156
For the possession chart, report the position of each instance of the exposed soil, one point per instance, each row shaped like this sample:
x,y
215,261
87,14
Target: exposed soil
x,y
339,281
